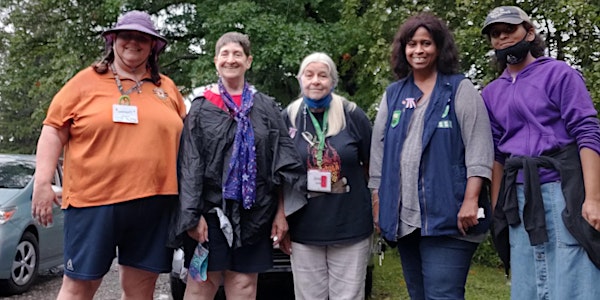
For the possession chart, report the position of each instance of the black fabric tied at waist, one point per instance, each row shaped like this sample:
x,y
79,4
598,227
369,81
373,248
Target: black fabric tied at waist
x,y
534,217
568,164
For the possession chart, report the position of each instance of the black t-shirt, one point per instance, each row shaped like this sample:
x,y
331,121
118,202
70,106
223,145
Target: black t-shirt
x,y
339,216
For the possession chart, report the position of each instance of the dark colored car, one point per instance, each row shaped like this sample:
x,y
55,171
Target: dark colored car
x,y
276,283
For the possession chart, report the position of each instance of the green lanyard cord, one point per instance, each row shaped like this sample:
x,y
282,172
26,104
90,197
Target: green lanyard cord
x,y
320,135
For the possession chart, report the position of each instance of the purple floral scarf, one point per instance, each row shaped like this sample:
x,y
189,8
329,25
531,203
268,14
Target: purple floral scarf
x,y
240,183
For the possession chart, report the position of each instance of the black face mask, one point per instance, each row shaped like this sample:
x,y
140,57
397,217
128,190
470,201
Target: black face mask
x,y
514,54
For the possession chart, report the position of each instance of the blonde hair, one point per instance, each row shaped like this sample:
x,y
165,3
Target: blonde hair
x,y
336,117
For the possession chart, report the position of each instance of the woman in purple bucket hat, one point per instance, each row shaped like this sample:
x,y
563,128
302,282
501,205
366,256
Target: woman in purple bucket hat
x,y
119,122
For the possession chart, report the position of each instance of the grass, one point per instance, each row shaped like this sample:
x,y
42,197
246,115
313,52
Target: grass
x,y
482,283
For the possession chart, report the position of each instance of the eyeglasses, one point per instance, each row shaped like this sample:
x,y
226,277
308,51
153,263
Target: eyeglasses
x,y
497,30
138,37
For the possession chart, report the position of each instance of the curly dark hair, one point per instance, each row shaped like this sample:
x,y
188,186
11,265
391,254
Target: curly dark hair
x,y
101,65
538,47
447,60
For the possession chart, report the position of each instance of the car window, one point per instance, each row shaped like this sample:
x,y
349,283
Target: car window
x,y
15,174
58,175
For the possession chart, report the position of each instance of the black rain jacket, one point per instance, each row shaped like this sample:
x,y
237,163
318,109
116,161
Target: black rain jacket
x,y
204,155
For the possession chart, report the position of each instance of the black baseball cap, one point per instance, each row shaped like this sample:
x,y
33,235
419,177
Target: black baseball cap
x,y
505,14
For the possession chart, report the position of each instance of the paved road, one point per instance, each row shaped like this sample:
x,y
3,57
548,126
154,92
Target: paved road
x,y
48,285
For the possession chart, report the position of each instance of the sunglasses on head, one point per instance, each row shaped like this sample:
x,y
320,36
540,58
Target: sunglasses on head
x,y
135,36
497,30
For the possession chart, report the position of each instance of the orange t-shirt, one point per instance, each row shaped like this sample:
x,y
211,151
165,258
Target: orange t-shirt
x,y
108,162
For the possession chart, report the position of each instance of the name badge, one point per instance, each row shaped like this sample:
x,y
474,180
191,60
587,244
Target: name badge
x,y
319,181
125,114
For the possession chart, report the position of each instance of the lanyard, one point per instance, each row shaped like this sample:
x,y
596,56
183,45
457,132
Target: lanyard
x,y
320,134
124,99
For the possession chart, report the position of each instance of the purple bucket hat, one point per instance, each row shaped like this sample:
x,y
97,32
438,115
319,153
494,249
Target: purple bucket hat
x,y
138,21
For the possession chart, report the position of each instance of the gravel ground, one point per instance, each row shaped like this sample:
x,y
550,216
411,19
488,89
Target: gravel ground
x,y
272,286
47,287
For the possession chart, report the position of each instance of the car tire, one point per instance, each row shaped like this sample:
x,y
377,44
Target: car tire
x,y
24,270
177,287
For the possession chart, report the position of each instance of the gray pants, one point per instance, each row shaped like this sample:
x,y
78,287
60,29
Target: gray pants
x,y
334,272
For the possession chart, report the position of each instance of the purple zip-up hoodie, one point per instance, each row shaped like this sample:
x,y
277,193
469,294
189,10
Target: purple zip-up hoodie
x,y
544,108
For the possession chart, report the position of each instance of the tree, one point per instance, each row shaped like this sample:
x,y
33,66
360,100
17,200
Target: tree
x,y
48,41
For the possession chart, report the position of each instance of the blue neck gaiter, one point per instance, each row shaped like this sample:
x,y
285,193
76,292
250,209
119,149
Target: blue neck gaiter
x,y
318,103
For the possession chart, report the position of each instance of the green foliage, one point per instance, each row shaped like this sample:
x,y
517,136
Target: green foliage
x,y
486,254
48,41
388,280
592,75
280,34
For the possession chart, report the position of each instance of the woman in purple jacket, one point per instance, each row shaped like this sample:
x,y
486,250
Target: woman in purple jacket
x,y
547,166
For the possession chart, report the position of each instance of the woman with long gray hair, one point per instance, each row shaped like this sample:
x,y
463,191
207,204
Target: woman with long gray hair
x,y
331,234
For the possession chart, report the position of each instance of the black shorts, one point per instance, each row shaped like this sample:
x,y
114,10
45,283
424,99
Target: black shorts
x,y
253,258
135,231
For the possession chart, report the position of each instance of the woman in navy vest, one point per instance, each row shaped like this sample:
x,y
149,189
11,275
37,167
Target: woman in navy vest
x,y
431,160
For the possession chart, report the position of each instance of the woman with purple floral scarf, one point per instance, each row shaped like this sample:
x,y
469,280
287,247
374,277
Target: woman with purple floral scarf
x,y
235,154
